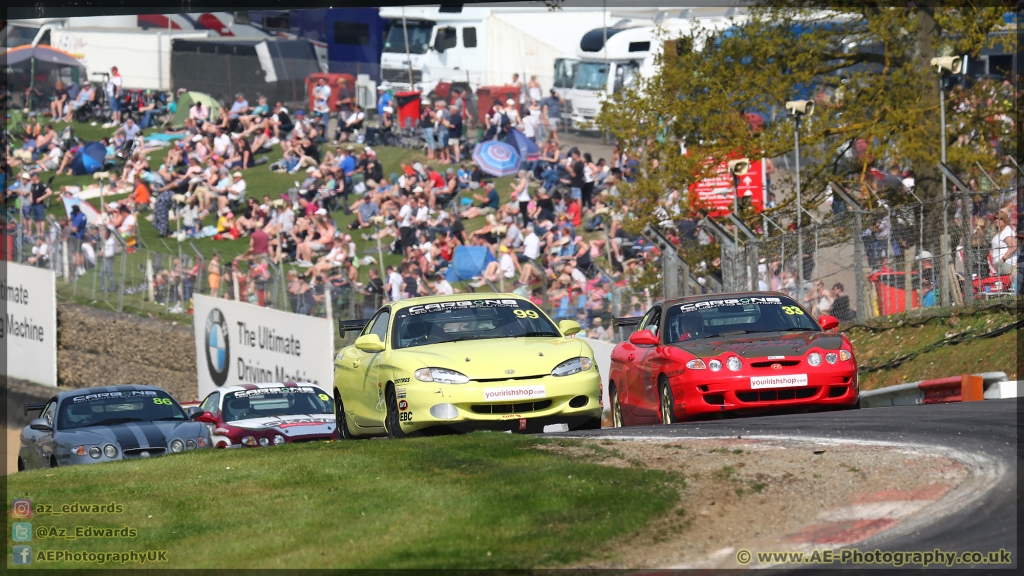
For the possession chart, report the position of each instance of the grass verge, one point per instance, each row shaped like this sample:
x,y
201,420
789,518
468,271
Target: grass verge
x,y
483,500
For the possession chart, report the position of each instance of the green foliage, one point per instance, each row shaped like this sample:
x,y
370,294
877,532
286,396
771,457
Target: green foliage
x,y
865,65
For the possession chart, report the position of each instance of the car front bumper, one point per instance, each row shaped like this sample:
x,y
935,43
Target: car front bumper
x,y
701,392
515,405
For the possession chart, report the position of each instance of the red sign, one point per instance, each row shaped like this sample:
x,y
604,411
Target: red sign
x,y
715,193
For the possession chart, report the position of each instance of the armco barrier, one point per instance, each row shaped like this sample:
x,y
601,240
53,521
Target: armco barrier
x,y
965,388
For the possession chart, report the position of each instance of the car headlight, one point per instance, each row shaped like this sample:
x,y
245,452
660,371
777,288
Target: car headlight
x,y
95,452
831,357
814,359
573,366
177,445
440,375
278,440
110,451
734,363
845,355
191,445
264,442
697,364
715,365
248,441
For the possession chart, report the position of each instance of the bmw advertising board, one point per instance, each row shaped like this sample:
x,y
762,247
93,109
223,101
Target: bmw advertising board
x,y
28,324
240,343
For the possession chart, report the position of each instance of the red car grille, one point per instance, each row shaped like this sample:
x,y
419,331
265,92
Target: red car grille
x,y
776,395
770,362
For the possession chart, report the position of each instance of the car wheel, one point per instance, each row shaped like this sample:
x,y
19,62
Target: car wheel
x,y
667,402
616,407
53,461
391,421
340,420
21,464
592,424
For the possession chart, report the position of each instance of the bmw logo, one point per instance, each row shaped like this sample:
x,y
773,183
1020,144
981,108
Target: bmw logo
x,y
218,350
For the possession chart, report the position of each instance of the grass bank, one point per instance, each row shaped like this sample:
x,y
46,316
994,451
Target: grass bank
x,y
885,340
483,500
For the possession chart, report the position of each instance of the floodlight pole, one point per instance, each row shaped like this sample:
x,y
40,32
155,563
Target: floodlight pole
x,y
946,281
799,220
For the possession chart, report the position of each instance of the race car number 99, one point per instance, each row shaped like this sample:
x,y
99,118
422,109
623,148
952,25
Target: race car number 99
x,y
525,313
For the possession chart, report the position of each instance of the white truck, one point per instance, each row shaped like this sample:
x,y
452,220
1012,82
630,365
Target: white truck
x,y
612,59
480,46
140,47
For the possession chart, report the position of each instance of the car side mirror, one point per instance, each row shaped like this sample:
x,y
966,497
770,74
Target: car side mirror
x,y
569,327
206,417
369,343
828,322
643,338
41,424
193,412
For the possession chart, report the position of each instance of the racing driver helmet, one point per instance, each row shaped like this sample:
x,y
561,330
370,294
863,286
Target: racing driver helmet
x,y
689,326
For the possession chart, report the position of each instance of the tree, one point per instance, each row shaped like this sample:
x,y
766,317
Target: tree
x,y
866,65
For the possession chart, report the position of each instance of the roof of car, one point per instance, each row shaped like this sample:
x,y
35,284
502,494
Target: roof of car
x,y
102,389
725,296
421,300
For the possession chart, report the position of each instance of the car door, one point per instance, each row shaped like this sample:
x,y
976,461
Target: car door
x,y
632,354
32,442
643,392
45,440
212,405
365,400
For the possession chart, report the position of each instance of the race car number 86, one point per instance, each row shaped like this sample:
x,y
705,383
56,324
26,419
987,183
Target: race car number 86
x,y
164,401
525,314
793,310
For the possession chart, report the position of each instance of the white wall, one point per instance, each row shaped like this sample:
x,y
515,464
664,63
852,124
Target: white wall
x,y
234,346
29,323
603,355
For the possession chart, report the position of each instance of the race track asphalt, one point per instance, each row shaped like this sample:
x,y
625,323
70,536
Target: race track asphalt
x,y
986,428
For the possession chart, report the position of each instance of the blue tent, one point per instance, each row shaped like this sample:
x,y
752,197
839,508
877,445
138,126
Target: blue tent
x,y
468,262
89,159
528,149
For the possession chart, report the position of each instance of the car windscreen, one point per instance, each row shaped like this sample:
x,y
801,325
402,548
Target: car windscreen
x,y
469,320
284,401
108,408
733,316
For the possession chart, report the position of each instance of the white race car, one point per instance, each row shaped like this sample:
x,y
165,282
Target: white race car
x,y
254,415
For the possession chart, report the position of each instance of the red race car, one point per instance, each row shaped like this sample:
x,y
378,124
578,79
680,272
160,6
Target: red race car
x,y
254,415
744,353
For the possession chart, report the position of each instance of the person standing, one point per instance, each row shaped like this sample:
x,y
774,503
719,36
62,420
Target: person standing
x,y
427,126
441,128
552,114
373,293
107,266
1004,245
37,210
321,101
78,224
576,180
394,286
533,89
454,125
114,88
344,101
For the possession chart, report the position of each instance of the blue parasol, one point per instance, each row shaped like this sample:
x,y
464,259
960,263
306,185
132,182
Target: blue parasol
x,y
527,148
496,158
89,159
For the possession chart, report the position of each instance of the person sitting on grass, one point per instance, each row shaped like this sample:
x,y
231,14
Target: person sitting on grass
x,y
489,202
321,240
227,228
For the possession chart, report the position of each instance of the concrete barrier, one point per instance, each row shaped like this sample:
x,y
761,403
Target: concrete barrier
x,y
965,388
603,355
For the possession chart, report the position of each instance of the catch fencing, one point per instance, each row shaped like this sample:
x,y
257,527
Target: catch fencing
x,y
858,264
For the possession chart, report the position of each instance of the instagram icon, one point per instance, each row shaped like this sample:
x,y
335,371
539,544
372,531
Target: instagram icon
x,y
21,508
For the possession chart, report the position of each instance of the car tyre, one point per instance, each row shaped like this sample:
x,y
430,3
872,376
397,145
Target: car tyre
x,y
391,421
340,420
666,402
53,461
21,464
616,407
592,424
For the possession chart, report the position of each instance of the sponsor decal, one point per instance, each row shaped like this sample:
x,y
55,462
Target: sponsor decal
x,y
109,395
278,391
403,405
405,417
511,416
522,424
463,305
302,423
399,392
510,371
688,306
218,348
776,357
514,393
783,381
401,380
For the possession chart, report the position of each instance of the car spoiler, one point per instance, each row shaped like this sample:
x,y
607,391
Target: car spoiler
x,y
34,408
350,325
631,321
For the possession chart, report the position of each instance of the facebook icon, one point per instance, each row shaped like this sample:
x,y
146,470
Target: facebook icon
x,y
21,554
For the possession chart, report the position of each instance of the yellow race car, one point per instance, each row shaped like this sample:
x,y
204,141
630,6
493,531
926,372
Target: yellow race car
x,y
462,363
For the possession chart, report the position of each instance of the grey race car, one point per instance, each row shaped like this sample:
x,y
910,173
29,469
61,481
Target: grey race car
x,y
108,423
